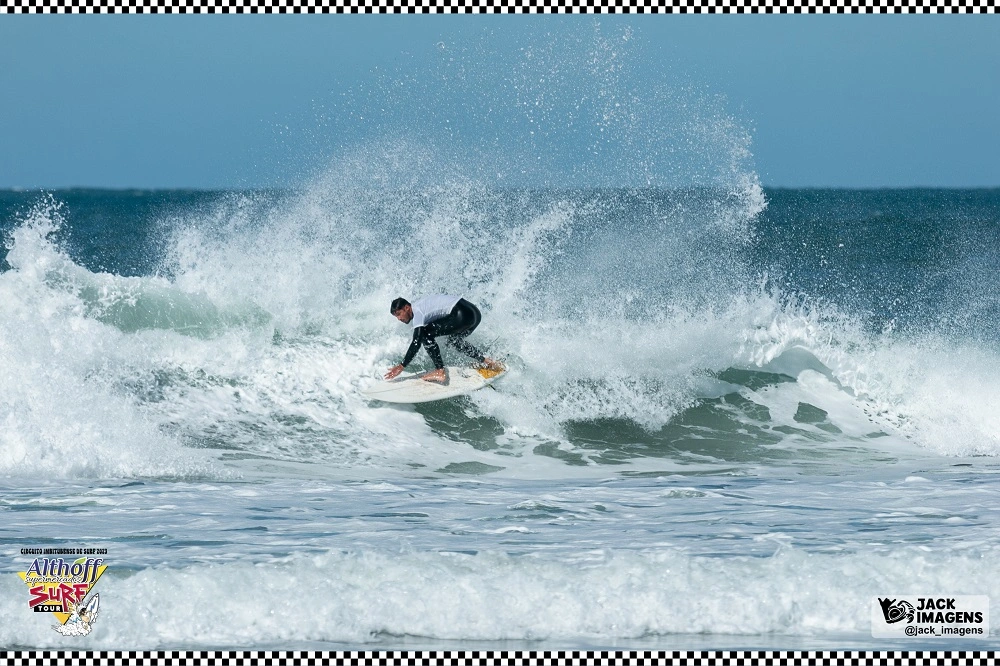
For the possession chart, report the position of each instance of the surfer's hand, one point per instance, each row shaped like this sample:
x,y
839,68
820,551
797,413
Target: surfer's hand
x,y
393,371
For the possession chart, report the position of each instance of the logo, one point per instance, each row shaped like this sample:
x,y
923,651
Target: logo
x,y
894,610
929,617
62,587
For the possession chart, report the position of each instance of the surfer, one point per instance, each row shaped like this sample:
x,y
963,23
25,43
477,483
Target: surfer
x,y
432,316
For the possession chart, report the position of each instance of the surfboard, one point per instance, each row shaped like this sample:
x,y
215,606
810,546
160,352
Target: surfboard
x,y
409,388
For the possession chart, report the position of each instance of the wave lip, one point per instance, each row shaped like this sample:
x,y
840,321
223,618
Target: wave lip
x,y
61,412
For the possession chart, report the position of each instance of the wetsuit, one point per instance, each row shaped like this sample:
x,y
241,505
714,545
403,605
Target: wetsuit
x,y
443,315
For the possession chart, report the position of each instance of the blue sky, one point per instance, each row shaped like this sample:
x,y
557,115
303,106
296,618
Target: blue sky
x,y
189,101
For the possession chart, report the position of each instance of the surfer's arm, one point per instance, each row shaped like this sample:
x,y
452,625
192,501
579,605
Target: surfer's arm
x,y
418,339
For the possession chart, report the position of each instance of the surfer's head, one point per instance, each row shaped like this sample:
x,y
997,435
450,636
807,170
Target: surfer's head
x,y
401,310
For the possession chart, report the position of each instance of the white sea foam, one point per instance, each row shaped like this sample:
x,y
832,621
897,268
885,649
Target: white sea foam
x,y
929,388
362,597
59,418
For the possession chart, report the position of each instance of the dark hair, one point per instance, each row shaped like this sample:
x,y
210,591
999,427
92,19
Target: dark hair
x,y
398,305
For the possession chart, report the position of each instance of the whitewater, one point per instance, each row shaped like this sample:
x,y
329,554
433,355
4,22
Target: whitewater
x,y
733,417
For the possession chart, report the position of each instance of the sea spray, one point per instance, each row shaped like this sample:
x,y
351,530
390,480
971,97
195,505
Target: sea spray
x,y
60,418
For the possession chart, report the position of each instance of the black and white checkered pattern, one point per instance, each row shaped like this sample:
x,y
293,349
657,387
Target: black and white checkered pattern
x,y
497,6
502,658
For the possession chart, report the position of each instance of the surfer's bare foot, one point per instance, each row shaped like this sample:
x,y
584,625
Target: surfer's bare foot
x,y
437,376
490,364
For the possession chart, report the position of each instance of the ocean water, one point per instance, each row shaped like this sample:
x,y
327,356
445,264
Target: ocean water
x,y
732,418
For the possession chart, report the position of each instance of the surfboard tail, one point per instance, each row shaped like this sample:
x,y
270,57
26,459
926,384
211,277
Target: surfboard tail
x,y
487,373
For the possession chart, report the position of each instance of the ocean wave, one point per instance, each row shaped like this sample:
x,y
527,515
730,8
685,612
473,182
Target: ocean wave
x,y
270,314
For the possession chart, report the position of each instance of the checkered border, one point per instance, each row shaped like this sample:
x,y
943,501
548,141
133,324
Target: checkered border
x,y
496,6
506,658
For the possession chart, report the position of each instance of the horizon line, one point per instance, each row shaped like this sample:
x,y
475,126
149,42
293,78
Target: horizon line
x,y
290,188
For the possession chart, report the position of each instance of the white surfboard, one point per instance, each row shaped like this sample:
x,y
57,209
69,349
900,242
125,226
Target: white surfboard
x,y
409,387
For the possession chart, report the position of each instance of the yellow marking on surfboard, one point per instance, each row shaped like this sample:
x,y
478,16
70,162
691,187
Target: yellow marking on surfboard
x,y
487,373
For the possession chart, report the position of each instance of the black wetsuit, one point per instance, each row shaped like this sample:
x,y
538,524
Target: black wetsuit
x,y
463,320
